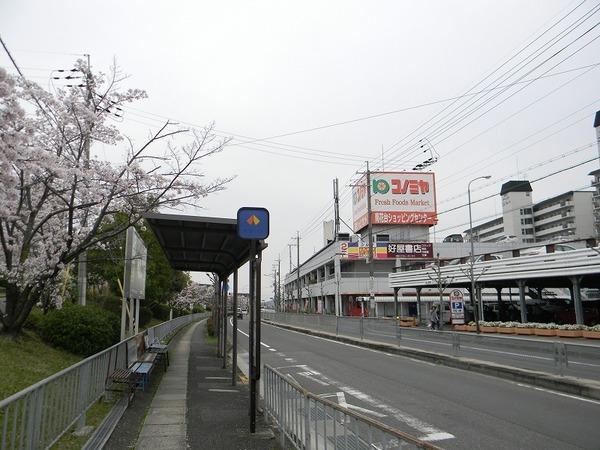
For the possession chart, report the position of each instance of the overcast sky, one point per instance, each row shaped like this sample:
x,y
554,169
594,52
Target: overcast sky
x,y
267,68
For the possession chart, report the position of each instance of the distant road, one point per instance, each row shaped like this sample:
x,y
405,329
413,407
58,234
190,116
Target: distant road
x,y
451,407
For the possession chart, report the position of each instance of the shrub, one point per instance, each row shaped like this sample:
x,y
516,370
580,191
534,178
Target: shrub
x,y
198,309
210,327
160,311
106,300
34,320
145,315
83,330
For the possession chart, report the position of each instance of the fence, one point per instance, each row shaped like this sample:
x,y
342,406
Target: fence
x,y
38,416
552,356
310,422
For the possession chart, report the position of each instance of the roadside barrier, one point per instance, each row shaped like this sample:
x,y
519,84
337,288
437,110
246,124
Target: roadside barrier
x,y
310,422
556,356
39,415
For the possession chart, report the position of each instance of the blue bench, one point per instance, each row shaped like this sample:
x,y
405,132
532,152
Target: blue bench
x,y
141,371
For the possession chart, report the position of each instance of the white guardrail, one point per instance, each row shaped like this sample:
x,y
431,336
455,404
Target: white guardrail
x,y
39,415
310,422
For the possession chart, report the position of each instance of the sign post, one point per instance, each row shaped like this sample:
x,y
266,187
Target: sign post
x,y
253,224
457,307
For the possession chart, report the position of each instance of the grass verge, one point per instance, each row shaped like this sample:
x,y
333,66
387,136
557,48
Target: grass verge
x,y
25,360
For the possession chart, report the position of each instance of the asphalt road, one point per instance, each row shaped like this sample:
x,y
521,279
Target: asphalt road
x,y
450,407
533,353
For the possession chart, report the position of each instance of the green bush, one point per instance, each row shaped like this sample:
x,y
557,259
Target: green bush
x,y
198,309
83,330
106,300
145,315
160,311
34,320
210,327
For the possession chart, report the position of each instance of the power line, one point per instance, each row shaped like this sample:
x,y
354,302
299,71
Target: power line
x,y
453,120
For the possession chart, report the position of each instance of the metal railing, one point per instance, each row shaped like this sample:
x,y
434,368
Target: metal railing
x,y
310,422
557,356
39,415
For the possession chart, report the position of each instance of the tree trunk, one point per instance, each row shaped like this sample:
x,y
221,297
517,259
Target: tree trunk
x,y
19,303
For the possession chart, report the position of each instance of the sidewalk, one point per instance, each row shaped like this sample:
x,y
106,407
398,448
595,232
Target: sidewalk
x,y
195,405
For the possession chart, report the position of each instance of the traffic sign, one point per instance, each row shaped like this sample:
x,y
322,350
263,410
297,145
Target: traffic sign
x,y
457,306
253,223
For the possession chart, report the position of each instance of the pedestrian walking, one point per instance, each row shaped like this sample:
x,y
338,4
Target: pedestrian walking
x,y
435,319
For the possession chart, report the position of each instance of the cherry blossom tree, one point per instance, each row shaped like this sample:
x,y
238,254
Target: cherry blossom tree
x,y
193,294
54,197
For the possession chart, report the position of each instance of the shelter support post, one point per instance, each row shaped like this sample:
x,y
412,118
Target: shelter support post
x,y
217,322
522,304
224,294
479,301
576,294
251,337
235,329
396,312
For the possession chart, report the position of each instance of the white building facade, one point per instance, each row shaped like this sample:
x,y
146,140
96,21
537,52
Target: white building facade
x,y
566,216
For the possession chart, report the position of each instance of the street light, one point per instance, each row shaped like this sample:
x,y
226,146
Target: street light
x,y
473,300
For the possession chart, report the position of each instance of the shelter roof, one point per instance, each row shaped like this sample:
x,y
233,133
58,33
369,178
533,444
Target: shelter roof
x,y
201,244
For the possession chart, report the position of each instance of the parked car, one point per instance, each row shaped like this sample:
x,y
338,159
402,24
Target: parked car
x,y
454,238
240,313
543,249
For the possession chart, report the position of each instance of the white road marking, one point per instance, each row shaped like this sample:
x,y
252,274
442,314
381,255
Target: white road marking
x,y
261,343
224,390
342,399
293,379
574,397
292,360
311,376
429,432
366,411
218,378
272,349
290,367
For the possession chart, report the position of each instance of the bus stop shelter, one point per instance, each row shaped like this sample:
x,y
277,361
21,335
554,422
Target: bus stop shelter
x,y
212,244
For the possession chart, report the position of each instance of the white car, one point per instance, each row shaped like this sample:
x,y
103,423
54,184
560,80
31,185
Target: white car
x,y
542,250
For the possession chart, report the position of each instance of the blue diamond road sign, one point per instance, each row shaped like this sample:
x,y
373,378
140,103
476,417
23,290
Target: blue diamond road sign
x,y
253,223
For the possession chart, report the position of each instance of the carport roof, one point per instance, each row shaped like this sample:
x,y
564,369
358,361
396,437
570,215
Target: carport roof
x,y
202,244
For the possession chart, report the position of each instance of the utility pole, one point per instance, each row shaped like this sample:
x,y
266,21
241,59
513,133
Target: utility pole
x,y
82,261
290,249
298,267
336,210
370,234
279,282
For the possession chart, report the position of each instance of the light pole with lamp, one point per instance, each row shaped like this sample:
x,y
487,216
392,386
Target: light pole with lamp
x,y
473,299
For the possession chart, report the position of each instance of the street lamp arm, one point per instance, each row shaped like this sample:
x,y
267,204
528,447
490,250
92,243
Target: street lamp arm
x,y
474,302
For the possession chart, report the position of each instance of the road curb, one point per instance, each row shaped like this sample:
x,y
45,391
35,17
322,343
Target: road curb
x,y
569,385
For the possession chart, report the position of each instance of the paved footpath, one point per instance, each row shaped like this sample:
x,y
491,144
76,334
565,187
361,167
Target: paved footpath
x,y
165,426
196,406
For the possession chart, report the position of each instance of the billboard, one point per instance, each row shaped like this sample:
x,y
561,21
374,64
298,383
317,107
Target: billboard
x,y
397,198
387,250
134,282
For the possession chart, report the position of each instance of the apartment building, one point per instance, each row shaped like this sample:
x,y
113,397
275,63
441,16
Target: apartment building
x,y
566,216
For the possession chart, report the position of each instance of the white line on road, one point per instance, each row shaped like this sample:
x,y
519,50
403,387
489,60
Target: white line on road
x,y
224,390
218,378
574,397
240,331
342,399
430,432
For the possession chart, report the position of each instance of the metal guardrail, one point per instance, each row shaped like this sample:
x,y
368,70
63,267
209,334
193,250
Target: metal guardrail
x,y
39,415
560,357
310,422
